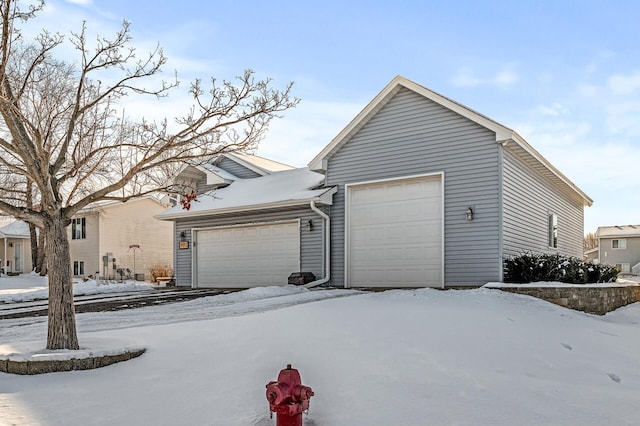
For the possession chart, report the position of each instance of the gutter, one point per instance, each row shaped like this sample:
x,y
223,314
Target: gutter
x,y
325,198
327,247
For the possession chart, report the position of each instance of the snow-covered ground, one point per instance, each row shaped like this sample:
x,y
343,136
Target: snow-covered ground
x,y
32,286
402,357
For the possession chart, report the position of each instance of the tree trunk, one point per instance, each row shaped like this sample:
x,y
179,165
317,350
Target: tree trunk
x,y
40,265
62,318
34,246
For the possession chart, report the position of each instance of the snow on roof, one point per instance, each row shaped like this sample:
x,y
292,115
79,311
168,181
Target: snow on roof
x,y
261,162
15,229
287,187
102,204
618,231
223,174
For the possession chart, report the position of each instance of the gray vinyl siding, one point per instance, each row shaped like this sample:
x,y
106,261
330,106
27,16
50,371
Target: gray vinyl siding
x,y
611,256
529,198
412,135
311,242
237,169
202,187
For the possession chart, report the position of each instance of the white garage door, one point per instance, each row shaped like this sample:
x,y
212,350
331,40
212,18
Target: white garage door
x,y
247,256
394,233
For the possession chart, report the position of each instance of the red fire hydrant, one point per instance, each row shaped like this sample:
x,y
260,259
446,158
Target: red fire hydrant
x,y
288,398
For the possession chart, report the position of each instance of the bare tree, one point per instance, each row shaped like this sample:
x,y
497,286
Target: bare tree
x,y
590,241
66,132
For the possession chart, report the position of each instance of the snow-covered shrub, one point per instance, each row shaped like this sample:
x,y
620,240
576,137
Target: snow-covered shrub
x,y
529,267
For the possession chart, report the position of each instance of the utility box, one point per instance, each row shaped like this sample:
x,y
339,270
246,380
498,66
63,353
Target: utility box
x,y
301,278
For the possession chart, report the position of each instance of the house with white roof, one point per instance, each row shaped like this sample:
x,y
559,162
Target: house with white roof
x,y
15,245
116,239
416,191
620,246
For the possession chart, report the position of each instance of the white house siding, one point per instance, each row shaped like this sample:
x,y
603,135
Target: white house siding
x,y
86,250
412,135
132,223
25,254
311,244
529,198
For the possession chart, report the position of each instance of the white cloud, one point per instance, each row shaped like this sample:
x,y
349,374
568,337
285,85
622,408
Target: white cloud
x,y
588,90
622,118
305,130
555,109
624,84
502,78
81,2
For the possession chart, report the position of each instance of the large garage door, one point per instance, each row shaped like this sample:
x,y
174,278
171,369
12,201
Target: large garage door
x,y
394,233
247,256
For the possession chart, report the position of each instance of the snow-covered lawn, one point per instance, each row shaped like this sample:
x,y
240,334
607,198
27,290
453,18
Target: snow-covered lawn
x,y
402,357
32,286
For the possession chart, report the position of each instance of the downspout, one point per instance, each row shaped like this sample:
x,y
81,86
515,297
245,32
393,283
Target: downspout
x,y
327,247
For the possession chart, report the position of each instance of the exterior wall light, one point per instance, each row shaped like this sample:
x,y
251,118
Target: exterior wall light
x,y
469,213
310,225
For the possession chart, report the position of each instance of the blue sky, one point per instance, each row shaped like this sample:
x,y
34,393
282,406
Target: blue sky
x,y
564,74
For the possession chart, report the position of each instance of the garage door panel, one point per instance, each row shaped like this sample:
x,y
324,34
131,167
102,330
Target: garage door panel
x,y
395,233
247,256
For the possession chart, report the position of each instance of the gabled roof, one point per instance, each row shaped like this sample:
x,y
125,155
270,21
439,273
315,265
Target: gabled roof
x,y
504,134
278,189
15,229
220,177
101,205
260,165
618,231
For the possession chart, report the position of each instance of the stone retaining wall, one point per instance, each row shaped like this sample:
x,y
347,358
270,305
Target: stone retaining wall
x,y
593,300
31,366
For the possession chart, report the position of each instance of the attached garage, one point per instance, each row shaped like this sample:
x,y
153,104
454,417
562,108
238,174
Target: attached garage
x,y
394,233
243,256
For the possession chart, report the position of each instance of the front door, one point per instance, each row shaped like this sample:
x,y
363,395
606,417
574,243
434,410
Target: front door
x,y
17,257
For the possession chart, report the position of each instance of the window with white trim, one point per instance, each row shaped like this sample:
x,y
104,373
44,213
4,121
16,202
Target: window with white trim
x,y
79,228
553,230
78,267
619,243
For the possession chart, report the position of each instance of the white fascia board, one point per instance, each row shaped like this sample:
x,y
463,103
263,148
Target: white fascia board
x,y
246,164
215,179
535,154
319,162
267,206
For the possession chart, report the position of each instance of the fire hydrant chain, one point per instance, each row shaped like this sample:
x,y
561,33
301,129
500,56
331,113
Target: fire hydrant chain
x,y
288,398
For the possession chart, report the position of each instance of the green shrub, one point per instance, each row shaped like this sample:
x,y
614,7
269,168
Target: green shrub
x,y
530,267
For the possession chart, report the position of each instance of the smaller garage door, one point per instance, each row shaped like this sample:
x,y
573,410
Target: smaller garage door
x,y
247,256
394,233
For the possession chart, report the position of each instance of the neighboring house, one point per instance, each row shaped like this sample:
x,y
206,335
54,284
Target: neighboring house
x,y
592,255
418,190
15,245
103,236
620,246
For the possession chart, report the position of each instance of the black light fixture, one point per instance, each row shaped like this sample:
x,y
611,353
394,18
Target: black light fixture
x,y
469,213
310,225
183,236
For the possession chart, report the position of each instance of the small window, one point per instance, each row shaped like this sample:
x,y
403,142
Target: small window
x,y
78,267
619,244
79,228
553,231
